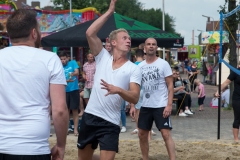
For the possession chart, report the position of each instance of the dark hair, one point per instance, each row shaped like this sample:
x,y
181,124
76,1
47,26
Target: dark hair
x,y
62,54
139,53
175,68
20,24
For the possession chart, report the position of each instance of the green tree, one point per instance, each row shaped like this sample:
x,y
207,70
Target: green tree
x,y
130,8
232,23
76,4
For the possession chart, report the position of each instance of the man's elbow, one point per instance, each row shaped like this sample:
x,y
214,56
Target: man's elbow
x,y
89,33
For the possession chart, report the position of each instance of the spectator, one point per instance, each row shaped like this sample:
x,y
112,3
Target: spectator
x,y
201,93
71,70
184,98
194,70
235,100
204,71
123,116
30,77
89,69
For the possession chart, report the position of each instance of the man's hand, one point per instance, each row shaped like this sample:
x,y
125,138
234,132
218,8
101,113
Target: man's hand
x,y
167,111
217,94
132,111
57,153
112,5
109,87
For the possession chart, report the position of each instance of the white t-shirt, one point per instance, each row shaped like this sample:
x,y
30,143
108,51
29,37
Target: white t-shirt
x,y
108,107
155,91
25,77
225,96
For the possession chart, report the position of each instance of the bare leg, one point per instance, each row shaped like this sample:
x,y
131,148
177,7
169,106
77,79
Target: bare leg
x,y
81,107
86,153
107,155
169,143
86,100
235,134
143,139
75,121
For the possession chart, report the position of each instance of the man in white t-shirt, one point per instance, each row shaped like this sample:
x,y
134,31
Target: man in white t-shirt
x,y
30,77
157,86
116,78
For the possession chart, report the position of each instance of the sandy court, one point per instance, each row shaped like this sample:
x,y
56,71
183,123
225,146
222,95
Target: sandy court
x,y
185,150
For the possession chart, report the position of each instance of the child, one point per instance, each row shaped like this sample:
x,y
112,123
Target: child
x,y
214,102
201,93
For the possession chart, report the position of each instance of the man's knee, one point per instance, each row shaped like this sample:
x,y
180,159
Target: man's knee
x,y
142,134
165,134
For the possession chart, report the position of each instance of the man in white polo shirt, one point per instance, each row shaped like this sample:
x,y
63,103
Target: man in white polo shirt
x,y
116,78
30,77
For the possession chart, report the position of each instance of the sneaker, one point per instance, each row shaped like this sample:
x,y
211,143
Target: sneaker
x,y
188,112
183,114
123,129
153,133
135,131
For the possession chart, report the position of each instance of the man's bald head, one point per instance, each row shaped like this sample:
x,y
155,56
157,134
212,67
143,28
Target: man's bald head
x,y
150,39
150,46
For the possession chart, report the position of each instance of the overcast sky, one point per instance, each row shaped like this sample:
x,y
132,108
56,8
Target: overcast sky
x,y
187,14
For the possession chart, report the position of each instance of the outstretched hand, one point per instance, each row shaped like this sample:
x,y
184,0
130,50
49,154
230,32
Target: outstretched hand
x,y
112,5
109,87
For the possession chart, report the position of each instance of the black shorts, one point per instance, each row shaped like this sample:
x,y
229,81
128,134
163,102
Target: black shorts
x,y
25,157
201,100
148,115
73,99
95,130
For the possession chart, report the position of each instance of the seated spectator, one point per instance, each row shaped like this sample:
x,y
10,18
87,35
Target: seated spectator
x,y
184,98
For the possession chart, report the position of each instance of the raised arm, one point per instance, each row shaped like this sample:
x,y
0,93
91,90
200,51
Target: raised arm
x,y
94,42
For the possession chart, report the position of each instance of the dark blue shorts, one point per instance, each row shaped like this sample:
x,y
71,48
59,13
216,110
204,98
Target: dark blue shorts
x,y
201,100
24,157
95,130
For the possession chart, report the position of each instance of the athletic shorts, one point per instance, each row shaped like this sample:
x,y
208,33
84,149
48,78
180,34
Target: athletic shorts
x,y
95,130
139,104
24,157
73,100
87,92
201,100
148,115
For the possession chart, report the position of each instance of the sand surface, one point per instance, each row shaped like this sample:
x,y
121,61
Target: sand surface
x,y
185,150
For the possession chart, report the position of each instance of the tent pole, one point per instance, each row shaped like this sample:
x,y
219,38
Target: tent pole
x,y
163,25
71,49
220,74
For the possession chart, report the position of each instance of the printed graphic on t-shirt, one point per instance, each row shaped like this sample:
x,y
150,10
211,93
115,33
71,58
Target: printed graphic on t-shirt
x,y
150,80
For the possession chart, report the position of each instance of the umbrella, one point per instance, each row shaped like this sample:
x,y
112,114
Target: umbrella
x,y
76,36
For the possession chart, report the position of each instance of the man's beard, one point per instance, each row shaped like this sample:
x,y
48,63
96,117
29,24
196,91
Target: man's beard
x,y
37,43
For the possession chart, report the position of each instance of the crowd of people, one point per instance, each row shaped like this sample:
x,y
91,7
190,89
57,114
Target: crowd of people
x,y
32,80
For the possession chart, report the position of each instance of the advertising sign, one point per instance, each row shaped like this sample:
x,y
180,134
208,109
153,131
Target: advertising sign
x,y
214,37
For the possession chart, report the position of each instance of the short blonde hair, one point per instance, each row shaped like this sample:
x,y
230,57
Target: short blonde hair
x,y
113,34
197,81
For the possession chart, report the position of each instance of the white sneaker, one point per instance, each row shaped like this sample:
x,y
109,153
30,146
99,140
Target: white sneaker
x,y
188,112
183,114
123,129
153,133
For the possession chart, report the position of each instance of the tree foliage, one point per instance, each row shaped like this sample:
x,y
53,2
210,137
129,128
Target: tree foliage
x,y
130,8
